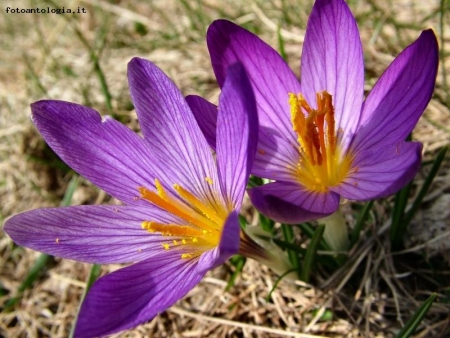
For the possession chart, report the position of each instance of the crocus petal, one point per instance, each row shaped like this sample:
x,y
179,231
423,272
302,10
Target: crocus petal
x,y
332,60
398,99
276,161
103,150
382,171
228,245
93,234
135,294
237,134
274,154
170,129
270,76
291,204
205,114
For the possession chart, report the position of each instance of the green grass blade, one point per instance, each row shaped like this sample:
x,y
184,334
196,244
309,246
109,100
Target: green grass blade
x,y
35,271
362,218
311,252
238,262
290,246
277,282
93,275
266,224
398,226
426,185
288,234
416,319
281,48
71,187
308,229
98,70
254,181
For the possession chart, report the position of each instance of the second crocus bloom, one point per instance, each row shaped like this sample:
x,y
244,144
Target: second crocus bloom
x,y
319,140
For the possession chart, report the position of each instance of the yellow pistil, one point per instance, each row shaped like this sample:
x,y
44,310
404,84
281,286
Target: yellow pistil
x,y
322,163
201,221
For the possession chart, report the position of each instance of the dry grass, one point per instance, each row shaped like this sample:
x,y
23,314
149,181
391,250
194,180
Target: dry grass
x,y
372,295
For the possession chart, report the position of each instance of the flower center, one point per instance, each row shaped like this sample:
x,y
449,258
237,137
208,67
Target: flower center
x,y
201,222
321,164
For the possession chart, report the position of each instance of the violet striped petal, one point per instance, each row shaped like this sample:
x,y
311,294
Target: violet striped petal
x,y
94,234
270,76
237,135
276,160
400,96
291,203
271,160
381,171
228,245
169,127
135,294
205,114
332,60
101,149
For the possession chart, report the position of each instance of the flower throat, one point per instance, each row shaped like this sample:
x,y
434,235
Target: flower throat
x,y
321,163
201,222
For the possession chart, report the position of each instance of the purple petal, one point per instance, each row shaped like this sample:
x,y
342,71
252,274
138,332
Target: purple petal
x,y
93,234
228,245
135,294
332,60
205,114
278,159
400,96
271,161
290,203
169,127
382,171
101,149
237,135
270,76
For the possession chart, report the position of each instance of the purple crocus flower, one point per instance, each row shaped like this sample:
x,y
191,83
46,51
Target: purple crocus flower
x,y
180,217
319,140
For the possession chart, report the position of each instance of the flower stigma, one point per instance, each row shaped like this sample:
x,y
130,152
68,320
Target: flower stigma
x,y
200,225
321,163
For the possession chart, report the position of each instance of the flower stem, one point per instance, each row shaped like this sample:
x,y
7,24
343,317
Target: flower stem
x,y
257,244
336,232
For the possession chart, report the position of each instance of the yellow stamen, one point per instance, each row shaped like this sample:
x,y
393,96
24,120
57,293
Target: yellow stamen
x,y
162,200
321,165
205,209
200,224
171,229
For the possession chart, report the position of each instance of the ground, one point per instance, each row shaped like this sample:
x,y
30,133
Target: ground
x,y
83,57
